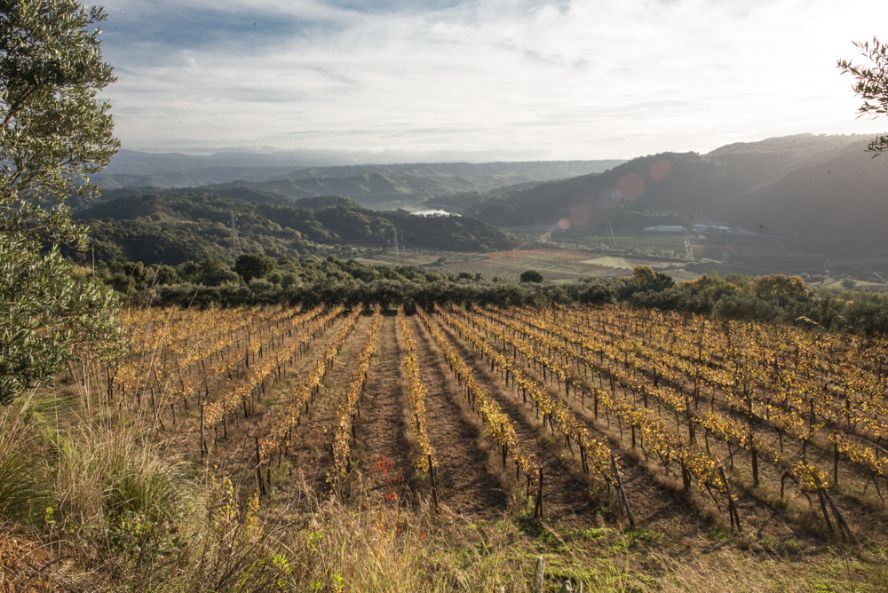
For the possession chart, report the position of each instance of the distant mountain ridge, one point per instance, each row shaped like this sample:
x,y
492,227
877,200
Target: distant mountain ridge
x,y
823,191
369,183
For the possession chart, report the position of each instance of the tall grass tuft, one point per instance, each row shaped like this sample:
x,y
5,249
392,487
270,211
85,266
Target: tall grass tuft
x,y
22,487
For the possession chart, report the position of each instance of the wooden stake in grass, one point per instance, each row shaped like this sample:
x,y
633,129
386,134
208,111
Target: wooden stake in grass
x,y
840,520
540,569
624,500
434,483
259,469
732,508
203,440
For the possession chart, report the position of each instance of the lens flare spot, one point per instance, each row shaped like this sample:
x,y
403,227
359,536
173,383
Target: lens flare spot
x,y
630,186
580,215
659,169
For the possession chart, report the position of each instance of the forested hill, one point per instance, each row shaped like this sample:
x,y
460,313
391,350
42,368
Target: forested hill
x,y
840,204
823,191
173,226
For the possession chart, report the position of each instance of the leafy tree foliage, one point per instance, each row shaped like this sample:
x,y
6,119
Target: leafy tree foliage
x,y
645,279
781,289
531,276
871,83
253,265
48,310
54,134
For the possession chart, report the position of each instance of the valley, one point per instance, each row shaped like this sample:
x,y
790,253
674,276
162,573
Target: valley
x,y
698,214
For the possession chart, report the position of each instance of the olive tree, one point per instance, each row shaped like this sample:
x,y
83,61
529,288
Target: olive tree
x,y
54,133
871,84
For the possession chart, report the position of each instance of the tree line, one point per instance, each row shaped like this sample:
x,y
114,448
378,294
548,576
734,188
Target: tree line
x,y
259,279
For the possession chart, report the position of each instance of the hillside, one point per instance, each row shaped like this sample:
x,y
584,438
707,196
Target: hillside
x,y
839,204
173,226
745,183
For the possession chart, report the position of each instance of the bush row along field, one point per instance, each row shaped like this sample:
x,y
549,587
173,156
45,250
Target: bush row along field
x,y
583,412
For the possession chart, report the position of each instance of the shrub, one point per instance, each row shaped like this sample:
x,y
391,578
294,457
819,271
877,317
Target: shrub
x,y
531,276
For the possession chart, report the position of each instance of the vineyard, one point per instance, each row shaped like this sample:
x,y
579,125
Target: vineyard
x,y
574,415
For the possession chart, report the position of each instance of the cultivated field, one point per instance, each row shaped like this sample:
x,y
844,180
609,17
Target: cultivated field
x,y
333,449
553,264
581,416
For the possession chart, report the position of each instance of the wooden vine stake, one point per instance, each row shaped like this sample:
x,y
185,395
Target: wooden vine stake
x,y
203,439
538,507
732,508
434,484
624,500
259,481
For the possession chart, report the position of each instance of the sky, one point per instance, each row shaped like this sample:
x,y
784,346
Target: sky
x,y
482,79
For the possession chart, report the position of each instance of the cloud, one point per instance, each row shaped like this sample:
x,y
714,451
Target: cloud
x,y
581,79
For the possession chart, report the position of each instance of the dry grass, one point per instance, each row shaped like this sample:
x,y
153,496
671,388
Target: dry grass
x,y
727,570
223,544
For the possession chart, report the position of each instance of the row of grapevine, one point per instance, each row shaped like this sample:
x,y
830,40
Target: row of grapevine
x,y
277,433
348,406
841,393
595,456
417,394
498,424
734,433
242,393
190,349
784,420
645,425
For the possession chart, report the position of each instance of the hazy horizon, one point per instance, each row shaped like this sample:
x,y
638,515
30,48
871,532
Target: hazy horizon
x,y
480,80
284,158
